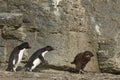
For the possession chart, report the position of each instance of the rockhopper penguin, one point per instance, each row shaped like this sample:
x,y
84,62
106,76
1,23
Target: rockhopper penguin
x,y
81,59
37,58
16,56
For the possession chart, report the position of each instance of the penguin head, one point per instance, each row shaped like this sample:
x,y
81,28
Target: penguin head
x,y
88,54
49,48
24,45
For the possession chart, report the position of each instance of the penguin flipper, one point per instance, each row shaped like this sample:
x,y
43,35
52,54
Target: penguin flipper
x,y
15,59
42,59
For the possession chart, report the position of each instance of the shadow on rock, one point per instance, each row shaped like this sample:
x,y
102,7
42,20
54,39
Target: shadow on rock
x,y
54,67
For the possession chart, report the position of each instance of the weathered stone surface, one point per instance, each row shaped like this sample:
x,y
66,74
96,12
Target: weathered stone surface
x,y
61,24
56,75
3,6
11,19
69,26
104,20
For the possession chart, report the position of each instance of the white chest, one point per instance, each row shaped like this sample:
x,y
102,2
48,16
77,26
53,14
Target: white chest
x,y
36,62
21,55
43,54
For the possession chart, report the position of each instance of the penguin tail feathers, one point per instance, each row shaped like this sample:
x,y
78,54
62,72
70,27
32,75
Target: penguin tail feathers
x,y
8,69
26,67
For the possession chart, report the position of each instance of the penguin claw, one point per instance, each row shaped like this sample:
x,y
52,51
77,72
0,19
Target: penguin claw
x,y
44,63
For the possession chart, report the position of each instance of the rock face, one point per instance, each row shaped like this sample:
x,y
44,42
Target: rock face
x,y
103,20
69,26
56,75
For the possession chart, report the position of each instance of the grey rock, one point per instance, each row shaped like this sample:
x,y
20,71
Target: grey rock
x,y
56,75
64,27
11,19
106,16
